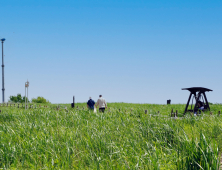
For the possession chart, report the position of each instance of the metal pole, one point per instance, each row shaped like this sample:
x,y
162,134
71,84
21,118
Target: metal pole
x,y
25,98
3,89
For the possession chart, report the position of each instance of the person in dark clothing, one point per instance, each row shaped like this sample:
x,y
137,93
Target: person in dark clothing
x,y
90,104
200,107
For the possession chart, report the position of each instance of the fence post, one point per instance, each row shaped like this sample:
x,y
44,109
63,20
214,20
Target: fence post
x,y
145,111
119,110
18,105
210,113
218,113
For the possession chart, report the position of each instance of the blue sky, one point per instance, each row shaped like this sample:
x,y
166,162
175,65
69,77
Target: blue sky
x,y
127,50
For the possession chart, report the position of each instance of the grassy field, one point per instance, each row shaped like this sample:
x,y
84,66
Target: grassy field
x,y
124,138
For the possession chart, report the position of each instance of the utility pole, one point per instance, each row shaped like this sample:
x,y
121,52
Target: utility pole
x,y
3,83
26,86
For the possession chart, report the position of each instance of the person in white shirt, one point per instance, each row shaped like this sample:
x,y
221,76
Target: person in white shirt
x,y
102,104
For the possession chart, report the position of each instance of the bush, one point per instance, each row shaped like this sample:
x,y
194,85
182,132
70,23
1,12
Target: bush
x,y
17,99
40,100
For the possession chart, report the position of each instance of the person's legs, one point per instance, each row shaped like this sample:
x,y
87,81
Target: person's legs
x,y
90,109
101,110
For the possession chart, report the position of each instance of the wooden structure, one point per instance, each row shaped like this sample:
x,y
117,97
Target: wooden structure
x,y
198,94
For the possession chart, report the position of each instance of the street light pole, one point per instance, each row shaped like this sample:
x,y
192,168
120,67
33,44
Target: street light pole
x,y
3,83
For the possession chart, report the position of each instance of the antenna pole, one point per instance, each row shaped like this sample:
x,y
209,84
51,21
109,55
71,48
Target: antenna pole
x,y
25,97
26,86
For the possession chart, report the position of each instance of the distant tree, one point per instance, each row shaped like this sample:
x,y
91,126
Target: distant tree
x,y
17,99
40,100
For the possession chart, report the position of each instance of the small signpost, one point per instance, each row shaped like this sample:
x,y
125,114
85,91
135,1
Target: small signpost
x,y
73,104
26,86
168,101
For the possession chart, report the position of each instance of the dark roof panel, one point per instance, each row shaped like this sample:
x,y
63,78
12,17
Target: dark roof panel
x,y
196,89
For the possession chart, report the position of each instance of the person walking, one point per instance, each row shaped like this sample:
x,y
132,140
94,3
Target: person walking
x,y
90,104
102,104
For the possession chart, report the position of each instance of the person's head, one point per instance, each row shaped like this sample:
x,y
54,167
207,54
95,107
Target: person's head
x,y
100,95
199,103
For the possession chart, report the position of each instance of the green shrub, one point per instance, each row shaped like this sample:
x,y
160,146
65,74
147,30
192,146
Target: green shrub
x,y
18,99
40,100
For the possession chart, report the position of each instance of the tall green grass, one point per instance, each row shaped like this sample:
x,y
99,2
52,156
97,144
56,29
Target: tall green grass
x,y
45,138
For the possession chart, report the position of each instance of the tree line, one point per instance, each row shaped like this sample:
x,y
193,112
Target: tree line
x,y
21,99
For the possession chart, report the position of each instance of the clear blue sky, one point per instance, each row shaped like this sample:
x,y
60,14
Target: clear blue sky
x,y
127,50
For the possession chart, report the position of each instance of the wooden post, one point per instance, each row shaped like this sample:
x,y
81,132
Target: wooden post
x,y
77,107
158,112
14,104
18,105
218,113
119,110
145,111
176,113
210,113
